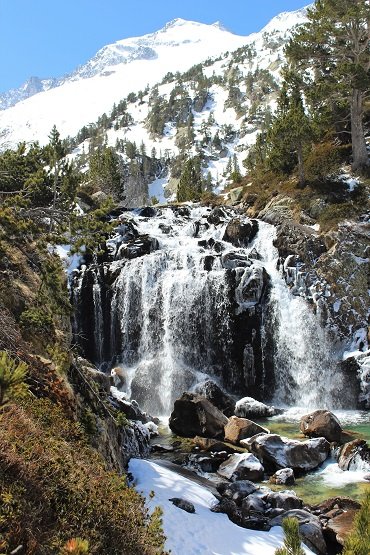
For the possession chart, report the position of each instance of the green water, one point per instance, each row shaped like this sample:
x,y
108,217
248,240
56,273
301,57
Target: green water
x,y
326,481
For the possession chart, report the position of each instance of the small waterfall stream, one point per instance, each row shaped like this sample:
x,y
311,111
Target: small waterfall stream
x,y
198,306
306,371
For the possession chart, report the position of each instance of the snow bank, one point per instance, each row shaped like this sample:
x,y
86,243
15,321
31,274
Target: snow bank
x,y
203,532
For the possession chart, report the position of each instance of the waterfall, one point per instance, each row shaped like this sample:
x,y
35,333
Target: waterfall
x,y
177,303
306,372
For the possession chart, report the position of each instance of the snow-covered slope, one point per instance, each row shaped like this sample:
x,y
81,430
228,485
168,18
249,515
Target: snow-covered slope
x,y
125,66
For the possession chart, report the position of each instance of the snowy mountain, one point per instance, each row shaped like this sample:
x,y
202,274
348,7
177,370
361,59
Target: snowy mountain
x,y
117,69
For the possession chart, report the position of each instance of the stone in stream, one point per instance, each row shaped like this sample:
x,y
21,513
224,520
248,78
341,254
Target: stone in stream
x,y
193,415
242,466
212,445
321,423
253,503
286,500
278,452
354,455
282,477
240,232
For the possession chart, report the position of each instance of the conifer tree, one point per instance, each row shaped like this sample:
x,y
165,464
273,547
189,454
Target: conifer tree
x,y
292,541
335,44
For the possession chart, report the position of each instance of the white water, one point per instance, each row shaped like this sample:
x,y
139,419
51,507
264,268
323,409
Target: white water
x,y
305,365
179,311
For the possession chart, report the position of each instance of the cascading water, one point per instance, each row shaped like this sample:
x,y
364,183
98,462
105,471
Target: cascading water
x,y
306,370
177,303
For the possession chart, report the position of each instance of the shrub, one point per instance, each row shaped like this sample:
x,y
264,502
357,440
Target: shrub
x,y
322,161
12,379
58,488
36,319
75,546
292,541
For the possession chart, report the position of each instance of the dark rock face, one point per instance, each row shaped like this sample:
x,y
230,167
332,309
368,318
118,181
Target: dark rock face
x,y
211,391
321,423
353,455
237,491
212,445
340,526
183,504
194,415
277,452
138,247
240,232
286,500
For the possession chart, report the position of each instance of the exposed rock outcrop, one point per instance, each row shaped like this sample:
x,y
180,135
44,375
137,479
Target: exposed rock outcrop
x,y
241,428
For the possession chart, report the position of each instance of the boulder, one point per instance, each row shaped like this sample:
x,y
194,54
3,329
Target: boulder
x,y
205,463
236,194
148,212
278,452
321,423
247,407
237,491
286,500
226,506
354,455
283,477
212,445
211,391
194,415
309,529
241,466
240,231
253,504
338,527
183,504
99,197
241,428
217,216
138,247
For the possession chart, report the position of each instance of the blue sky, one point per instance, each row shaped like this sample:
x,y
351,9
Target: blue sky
x,y
49,38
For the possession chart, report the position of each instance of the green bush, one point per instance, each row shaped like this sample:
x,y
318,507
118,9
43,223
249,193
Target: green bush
x,y
292,541
12,379
36,319
322,161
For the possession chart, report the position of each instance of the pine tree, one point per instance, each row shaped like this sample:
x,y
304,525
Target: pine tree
x,y
191,183
292,541
335,44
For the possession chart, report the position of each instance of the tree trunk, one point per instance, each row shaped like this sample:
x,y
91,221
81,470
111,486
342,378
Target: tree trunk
x,y
301,175
359,151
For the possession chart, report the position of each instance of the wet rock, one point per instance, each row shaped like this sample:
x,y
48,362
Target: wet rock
x,y
100,378
183,504
309,529
285,476
343,503
138,247
238,490
194,415
300,240
286,500
236,194
354,455
241,466
278,452
211,391
212,445
247,407
241,428
148,212
232,260
321,423
240,232
339,527
217,216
